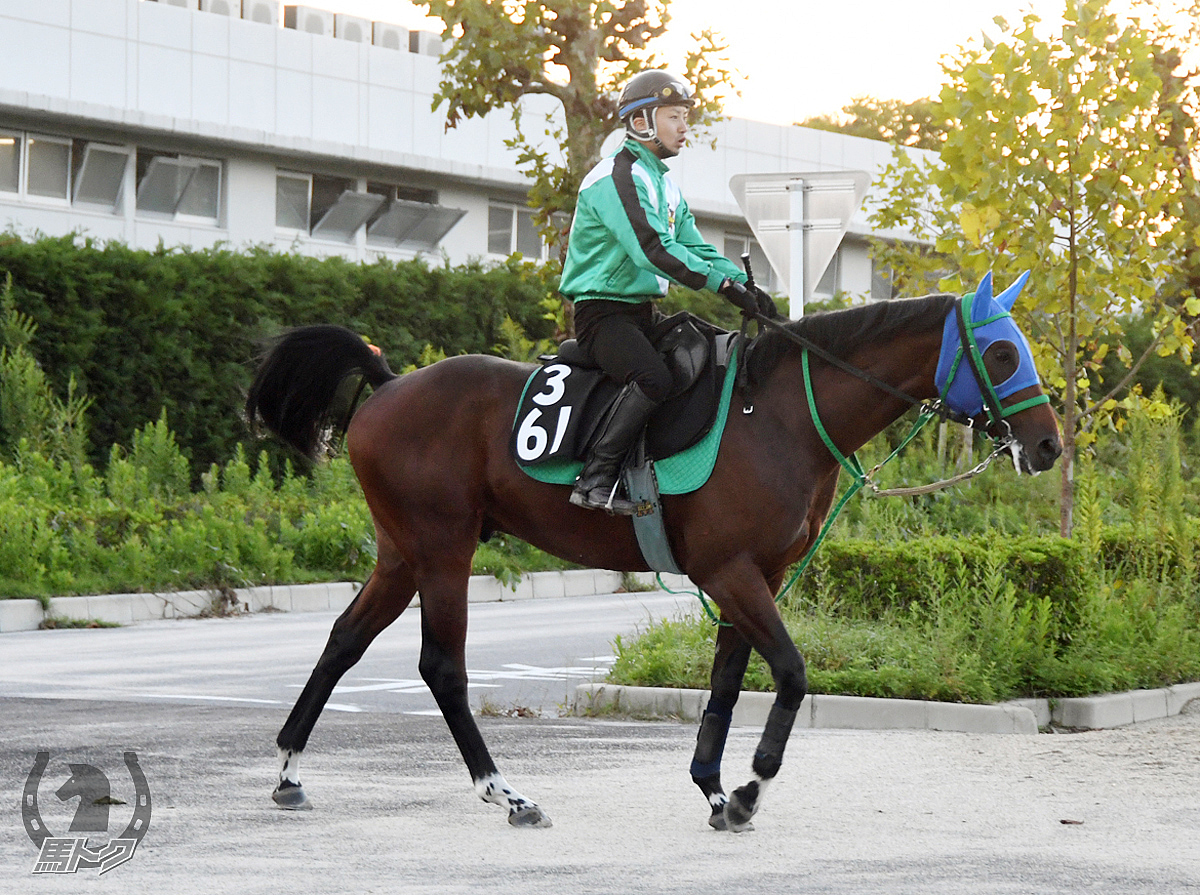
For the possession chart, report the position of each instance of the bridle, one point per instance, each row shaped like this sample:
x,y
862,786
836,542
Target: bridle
x,y
997,414
997,417
968,347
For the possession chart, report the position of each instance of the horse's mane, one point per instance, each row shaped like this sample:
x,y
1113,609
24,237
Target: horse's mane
x,y
840,332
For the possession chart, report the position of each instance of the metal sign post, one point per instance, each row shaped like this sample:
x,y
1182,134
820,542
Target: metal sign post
x,y
799,219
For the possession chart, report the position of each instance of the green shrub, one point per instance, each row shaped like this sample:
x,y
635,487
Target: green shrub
x,y
890,608
866,578
177,330
972,638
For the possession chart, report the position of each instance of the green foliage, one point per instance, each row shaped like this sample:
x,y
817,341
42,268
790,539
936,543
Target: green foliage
x,y
704,304
580,52
177,331
139,528
920,123
1061,161
866,578
888,608
32,417
507,559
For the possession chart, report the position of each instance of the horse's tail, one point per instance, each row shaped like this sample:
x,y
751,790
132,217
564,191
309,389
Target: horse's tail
x,y
297,392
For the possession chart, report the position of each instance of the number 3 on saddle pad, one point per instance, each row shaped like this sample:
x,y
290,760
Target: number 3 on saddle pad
x,y
550,413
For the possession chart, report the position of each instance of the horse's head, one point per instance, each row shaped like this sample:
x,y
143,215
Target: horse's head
x,y
986,372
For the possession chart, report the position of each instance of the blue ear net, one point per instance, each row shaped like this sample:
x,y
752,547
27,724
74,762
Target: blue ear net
x,y
987,320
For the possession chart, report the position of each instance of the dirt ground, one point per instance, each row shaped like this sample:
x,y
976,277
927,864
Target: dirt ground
x,y
852,811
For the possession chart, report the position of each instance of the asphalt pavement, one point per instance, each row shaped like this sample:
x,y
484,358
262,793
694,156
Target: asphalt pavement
x,y
527,655
853,811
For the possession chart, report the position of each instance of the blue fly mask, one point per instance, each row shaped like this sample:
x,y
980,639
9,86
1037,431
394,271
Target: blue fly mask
x,y
978,321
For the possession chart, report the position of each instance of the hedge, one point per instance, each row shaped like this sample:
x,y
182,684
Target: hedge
x,y
175,329
869,578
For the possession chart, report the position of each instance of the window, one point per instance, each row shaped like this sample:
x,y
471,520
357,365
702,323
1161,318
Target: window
x,y
48,167
178,186
511,229
69,170
293,196
10,162
324,195
333,208
349,212
325,207
736,245
410,215
100,174
881,281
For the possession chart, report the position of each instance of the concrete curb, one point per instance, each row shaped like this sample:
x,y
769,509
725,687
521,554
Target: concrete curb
x,y
126,609
1112,710
862,713
817,711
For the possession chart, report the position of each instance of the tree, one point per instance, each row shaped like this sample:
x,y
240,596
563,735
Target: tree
x,y
579,52
919,123
1061,160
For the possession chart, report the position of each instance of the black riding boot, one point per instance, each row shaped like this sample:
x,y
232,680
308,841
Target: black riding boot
x,y
596,486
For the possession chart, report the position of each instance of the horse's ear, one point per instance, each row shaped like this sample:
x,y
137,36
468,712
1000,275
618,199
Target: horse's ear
x,y
1008,297
981,306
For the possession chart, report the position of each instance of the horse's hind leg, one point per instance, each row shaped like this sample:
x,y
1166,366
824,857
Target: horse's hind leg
x,y
729,667
386,594
443,667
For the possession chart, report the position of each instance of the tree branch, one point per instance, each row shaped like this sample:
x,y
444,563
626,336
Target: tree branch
x,y
1154,343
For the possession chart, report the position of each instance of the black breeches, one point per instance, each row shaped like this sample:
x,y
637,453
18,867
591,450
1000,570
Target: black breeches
x,y
613,334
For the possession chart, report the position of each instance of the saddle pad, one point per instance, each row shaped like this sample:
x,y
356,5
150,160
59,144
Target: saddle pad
x,y
555,405
680,473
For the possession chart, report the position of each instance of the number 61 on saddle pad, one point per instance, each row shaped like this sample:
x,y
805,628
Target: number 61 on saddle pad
x,y
563,403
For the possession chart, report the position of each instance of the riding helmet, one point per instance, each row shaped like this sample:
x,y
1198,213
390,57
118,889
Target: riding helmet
x,y
648,90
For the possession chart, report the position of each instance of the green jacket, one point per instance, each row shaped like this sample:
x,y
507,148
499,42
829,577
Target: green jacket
x,y
633,235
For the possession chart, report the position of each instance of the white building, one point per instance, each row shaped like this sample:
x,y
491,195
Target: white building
x,y
245,122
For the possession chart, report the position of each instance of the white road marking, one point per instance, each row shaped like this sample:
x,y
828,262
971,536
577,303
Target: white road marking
x,y
210,698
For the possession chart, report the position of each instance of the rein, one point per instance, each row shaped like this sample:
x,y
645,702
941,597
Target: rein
x,y
997,414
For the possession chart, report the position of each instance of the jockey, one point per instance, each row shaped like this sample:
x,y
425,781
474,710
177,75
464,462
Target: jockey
x,y
631,236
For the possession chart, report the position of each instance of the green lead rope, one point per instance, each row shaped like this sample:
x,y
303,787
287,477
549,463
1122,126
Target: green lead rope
x,y
852,466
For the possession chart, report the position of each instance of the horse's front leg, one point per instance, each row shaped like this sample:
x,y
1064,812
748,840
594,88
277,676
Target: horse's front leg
x,y
729,667
747,602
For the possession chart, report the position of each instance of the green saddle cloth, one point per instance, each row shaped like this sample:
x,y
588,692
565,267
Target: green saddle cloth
x,y
680,473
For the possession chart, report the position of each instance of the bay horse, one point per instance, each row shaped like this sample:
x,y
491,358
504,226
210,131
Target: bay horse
x,y
431,452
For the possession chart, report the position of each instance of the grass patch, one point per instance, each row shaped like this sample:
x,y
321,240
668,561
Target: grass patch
x,y
973,640
58,621
893,607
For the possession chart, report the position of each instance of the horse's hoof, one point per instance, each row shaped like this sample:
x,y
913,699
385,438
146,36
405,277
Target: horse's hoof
x,y
529,816
717,821
736,816
291,798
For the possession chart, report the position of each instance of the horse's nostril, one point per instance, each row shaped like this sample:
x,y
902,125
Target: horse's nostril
x,y
1050,448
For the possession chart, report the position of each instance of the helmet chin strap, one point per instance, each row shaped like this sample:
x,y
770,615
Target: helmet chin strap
x,y
650,135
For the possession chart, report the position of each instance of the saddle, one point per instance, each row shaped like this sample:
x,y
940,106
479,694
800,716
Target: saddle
x,y
567,397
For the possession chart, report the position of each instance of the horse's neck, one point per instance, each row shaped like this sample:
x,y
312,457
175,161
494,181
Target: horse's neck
x,y
853,411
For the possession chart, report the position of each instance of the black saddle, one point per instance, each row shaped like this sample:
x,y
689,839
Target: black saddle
x,y
565,400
